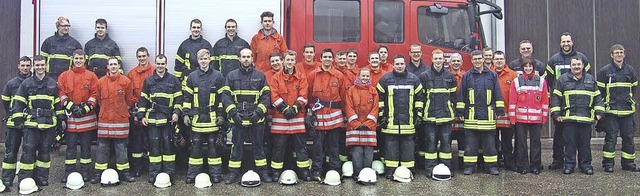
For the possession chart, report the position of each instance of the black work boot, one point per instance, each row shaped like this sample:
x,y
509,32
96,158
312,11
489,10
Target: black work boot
x,y
126,176
232,177
304,174
264,176
275,175
96,177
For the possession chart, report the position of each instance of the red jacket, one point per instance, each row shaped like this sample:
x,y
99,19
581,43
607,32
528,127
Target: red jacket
x,y
305,68
270,110
137,76
505,77
288,88
349,74
362,108
115,94
262,46
529,100
329,88
376,74
387,67
79,85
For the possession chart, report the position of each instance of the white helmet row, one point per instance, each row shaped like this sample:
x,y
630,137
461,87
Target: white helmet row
x,y
28,186
162,180
441,172
367,176
402,174
109,177
74,181
250,179
202,181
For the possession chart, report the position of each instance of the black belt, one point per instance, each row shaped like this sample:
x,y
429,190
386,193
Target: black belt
x,y
38,112
330,104
246,106
161,108
205,109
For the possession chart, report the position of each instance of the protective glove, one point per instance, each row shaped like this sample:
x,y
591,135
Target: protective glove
x,y
62,125
282,106
363,127
68,104
186,120
600,126
417,121
236,116
76,110
220,120
289,113
18,123
255,116
86,107
382,122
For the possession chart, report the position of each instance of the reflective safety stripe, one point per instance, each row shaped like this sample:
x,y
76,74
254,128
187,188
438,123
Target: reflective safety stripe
x,y
43,164
303,164
408,164
628,156
470,159
85,161
155,159
490,159
70,161
261,162
136,155
101,166
196,161
460,153
444,155
122,166
214,161
608,155
390,163
235,164
430,156
6,165
277,165
25,166
343,158
169,157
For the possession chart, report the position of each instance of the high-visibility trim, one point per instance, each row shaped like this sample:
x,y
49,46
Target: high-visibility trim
x,y
390,163
6,165
70,161
408,164
196,161
277,165
5,98
235,164
608,155
470,159
155,159
122,166
303,164
261,162
352,118
169,157
25,166
136,155
431,155
214,161
85,161
444,155
490,159
101,166
628,156
43,164
228,57
343,158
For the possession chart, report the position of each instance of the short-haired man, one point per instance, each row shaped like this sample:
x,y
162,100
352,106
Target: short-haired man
x,y
618,81
78,92
383,51
266,41
526,51
455,67
560,63
159,108
479,101
401,100
58,48
342,66
487,54
375,67
14,129
224,55
576,102
504,135
416,66
186,57
100,48
309,63
37,105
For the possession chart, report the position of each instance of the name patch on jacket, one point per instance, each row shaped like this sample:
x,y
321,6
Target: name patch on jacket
x,y
85,86
334,83
120,91
370,100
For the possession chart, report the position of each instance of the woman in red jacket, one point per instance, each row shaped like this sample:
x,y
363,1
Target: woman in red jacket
x,y
528,110
362,113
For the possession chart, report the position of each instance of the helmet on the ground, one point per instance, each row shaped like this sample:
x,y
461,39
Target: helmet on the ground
x,y
250,179
288,177
347,169
367,176
441,172
202,181
109,177
2,187
402,174
162,180
28,186
74,181
378,166
332,178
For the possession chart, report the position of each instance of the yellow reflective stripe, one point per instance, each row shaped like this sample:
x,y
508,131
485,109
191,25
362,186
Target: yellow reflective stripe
x,y
101,166
155,159
445,155
19,98
214,161
136,155
343,158
557,92
490,159
550,70
460,105
180,59
122,166
470,159
196,161
101,56
187,62
264,108
186,105
554,109
472,99
608,155
303,164
145,96
169,157
500,104
177,74
25,166
408,164
390,163
43,164
235,164
431,156
70,161
228,57
578,118
261,162
581,92
6,98
277,165
85,161
6,165
628,156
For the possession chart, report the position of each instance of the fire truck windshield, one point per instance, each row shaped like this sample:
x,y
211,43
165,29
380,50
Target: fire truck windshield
x,y
448,30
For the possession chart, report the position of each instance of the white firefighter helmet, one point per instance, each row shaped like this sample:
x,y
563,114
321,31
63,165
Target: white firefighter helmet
x,y
109,177
162,180
441,172
347,169
332,178
28,186
378,166
74,181
288,177
250,179
402,174
367,176
2,187
202,181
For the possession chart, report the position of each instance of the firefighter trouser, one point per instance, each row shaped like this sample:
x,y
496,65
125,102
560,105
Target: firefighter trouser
x,y
162,158
72,139
196,157
104,154
326,140
532,159
256,136
435,133
577,136
506,147
618,125
421,146
12,145
36,145
475,139
558,143
137,144
342,146
280,142
399,150
361,157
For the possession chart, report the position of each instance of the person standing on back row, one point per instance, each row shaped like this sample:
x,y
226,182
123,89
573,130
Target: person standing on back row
x,y
186,57
266,41
100,48
224,55
58,48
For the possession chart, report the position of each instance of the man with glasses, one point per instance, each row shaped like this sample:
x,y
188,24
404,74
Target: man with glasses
x,y
504,133
187,58
58,48
526,51
416,66
266,41
224,55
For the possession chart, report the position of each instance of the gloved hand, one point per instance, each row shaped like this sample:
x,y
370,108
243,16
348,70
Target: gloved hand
x,y
282,107
417,121
236,116
76,110
220,120
18,123
382,122
86,107
62,125
68,104
363,127
186,120
289,113
255,116
600,126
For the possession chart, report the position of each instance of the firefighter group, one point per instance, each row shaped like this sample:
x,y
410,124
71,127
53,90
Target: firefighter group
x,y
386,118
